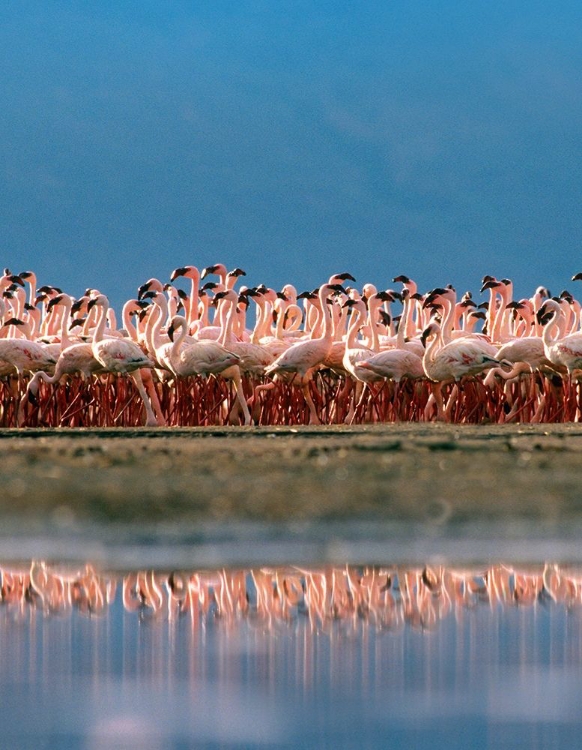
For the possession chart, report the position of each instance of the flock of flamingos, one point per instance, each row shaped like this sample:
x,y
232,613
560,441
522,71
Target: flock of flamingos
x,y
200,351
386,598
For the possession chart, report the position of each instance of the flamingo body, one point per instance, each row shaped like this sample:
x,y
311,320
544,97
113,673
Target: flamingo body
x,y
394,364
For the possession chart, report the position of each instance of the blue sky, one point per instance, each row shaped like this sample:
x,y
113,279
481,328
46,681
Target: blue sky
x,y
293,139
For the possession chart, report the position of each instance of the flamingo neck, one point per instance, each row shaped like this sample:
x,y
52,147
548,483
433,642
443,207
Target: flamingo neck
x,y
227,335
448,320
18,305
174,356
353,330
294,317
553,330
404,325
431,350
65,316
327,334
204,313
500,332
257,331
153,331
414,314
102,320
34,318
90,322
194,299
374,306
492,313
128,323
31,281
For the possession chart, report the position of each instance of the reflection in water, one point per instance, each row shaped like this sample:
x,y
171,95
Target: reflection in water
x,y
387,597
286,657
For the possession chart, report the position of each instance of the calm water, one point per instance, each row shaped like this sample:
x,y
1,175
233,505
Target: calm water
x,y
331,656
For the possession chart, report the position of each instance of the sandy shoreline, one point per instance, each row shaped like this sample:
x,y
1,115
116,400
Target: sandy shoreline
x,y
409,472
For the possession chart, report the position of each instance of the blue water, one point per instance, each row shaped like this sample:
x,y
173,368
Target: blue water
x,y
476,675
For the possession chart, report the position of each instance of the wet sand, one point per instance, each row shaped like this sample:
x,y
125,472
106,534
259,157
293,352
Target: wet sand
x,y
410,472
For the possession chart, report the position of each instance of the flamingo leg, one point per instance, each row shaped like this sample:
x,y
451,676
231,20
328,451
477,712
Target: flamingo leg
x,y
150,386
240,395
313,415
151,420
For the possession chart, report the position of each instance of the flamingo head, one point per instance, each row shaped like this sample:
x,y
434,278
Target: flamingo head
x,y
14,279
547,311
431,330
150,285
177,322
337,278
467,303
385,318
228,294
100,300
190,272
54,301
78,304
218,268
490,284
434,295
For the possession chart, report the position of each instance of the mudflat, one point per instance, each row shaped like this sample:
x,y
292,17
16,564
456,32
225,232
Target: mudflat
x,y
402,472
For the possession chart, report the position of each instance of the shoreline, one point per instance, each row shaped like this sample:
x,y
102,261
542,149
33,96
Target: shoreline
x,y
230,496
386,472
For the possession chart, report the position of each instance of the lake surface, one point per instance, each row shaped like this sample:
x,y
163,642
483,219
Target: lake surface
x,y
408,586
411,656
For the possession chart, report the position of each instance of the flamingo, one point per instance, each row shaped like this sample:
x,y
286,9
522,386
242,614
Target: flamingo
x,y
74,358
451,362
562,351
254,358
414,317
204,358
228,279
354,352
192,273
122,356
268,302
301,359
537,353
20,355
394,364
406,337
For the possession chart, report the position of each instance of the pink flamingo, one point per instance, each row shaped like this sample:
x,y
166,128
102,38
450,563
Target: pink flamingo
x,y
192,273
254,358
301,359
204,358
354,353
451,362
121,355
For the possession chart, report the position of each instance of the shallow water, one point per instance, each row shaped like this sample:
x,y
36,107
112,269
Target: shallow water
x,y
475,641
350,656
209,544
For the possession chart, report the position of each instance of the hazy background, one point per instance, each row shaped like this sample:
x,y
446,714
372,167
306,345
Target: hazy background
x,y
293,139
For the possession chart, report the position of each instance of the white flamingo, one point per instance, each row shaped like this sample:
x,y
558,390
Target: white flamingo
x,y
121,355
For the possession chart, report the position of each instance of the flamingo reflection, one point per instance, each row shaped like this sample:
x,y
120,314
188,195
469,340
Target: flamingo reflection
x,y
386,598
